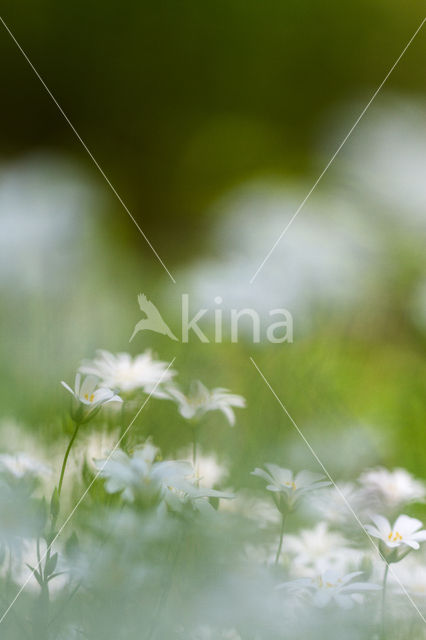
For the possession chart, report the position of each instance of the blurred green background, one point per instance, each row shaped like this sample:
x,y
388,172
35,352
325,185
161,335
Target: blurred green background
x,y
182,103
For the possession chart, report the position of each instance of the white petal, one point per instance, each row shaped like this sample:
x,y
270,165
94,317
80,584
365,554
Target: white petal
x,y
229,414
361,586
187,412
114,398
273,487
382,524
406,525
262,474
306,478
279,474
411,543
67,387
77,384
88,386
373,531
350,576
420,535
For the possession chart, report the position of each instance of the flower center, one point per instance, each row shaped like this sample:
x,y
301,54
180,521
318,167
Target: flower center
x,y
290,484
91,398
394,536
327,585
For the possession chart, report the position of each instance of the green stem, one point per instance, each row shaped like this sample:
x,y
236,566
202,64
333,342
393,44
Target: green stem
x,y
67,453
40,570
44,602
385,576
280,545
43,606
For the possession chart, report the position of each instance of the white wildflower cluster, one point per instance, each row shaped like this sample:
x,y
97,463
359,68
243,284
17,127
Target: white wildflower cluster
x,y
289,487
125,374
184,548
324,561
138,477
200,401
110,377
21,465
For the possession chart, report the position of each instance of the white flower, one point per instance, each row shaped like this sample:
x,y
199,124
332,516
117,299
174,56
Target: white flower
x,y
392,488
290,487
320,550
20,465
332,504
207,470
405,531
97,444
200,400
138,476
332,586
259,510
126,374
412,575
130,474
90,394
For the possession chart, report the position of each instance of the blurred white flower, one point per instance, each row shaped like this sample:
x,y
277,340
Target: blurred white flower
x,y
21,464
332,586
332,505
97,444
412,575
126,374
201,400
47,223
290,487
319,550
90,394
208,471
327,257
131,474
196,495
256,509
391,489
405,531
138,476
387,159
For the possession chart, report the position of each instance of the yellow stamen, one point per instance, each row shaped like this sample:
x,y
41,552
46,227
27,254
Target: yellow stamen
x,y
394,536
